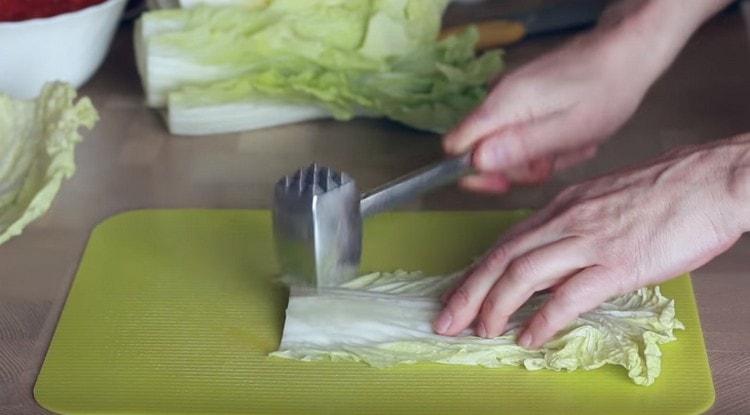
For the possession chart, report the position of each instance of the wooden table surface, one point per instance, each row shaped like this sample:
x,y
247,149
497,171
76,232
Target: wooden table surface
x,y
130,162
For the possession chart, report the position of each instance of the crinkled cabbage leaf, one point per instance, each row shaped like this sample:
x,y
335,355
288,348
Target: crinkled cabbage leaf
x,y
384,319
37,140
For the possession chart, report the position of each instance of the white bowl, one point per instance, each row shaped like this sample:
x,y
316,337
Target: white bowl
x,y
68,47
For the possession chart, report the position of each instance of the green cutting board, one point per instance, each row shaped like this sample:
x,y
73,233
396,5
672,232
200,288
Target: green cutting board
x,y
175,311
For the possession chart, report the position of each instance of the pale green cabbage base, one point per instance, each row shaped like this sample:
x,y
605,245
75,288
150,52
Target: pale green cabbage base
x,y
384,319
37,142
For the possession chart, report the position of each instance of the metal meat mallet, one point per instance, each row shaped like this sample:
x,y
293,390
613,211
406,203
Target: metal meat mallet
x,y
318,213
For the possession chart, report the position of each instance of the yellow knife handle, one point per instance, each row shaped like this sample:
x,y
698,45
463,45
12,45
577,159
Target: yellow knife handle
x,y
492,33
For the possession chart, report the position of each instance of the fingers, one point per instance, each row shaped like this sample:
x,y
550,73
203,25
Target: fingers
x,y
463,305
531,272
509,147
486,183
582,292
537,171
466,299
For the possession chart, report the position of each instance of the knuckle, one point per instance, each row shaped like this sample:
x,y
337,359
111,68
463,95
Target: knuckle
x,y
521,269
565,298
588,208
621,284
544,319
489,307
497,256
492,315
518,147
614,258
603,254
492,309
580,218
460,298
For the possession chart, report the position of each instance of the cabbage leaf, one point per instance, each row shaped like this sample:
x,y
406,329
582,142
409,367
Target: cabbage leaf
x,y
37,142
384,319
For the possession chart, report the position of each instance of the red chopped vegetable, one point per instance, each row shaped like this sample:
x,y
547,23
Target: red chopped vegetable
x,y
17,10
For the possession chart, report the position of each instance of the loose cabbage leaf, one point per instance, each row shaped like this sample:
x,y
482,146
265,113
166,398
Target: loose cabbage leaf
x,y
37,140
384,319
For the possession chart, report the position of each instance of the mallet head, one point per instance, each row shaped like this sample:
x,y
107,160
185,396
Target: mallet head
x,y
318,226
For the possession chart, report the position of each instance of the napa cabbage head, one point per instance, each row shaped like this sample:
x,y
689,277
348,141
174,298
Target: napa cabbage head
x,y
430,89
347,57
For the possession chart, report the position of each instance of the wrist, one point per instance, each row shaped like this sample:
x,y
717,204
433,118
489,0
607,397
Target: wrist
x,y
738,183
641,38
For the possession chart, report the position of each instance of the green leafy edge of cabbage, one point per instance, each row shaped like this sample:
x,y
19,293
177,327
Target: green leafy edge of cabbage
x,y
37,142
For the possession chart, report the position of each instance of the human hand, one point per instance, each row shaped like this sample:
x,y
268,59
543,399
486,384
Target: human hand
x,y
607,237
548,115
553,112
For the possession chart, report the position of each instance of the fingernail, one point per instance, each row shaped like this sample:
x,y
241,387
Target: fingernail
x,y
491,157
525,340
443,322
481,330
